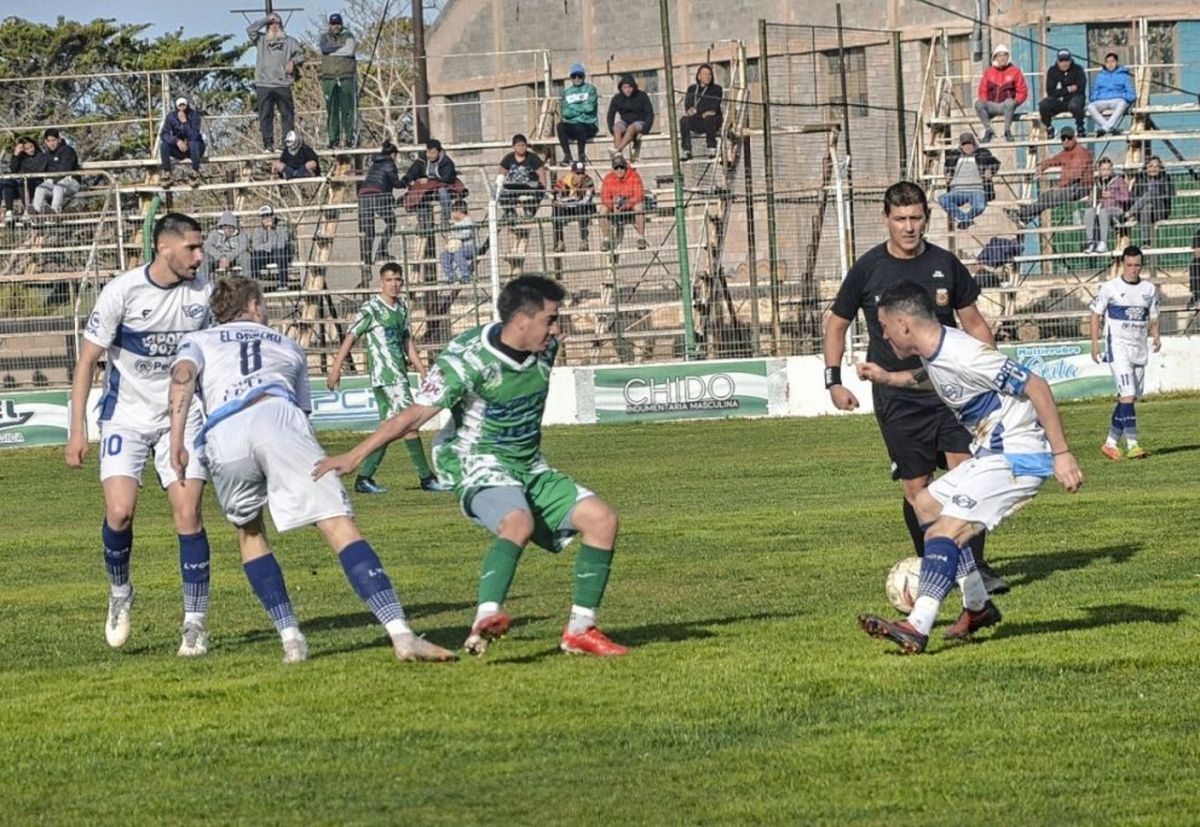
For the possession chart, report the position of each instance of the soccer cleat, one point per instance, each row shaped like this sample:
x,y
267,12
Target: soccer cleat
x,y
970,622
195,641
295,650
408,646
993,582
116,629
900,632
1137,452
591,642
366,485
484,631
1112,452
434,484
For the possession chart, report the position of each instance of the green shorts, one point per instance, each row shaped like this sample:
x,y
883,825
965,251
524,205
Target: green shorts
x,y
550,497
392,399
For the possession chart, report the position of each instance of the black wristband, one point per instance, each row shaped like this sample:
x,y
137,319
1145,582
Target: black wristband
x,y
833,376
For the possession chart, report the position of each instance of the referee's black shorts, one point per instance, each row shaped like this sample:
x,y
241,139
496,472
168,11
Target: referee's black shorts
x,y
918,432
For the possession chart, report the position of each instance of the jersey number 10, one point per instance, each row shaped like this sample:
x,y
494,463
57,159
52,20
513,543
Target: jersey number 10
x,y
251,353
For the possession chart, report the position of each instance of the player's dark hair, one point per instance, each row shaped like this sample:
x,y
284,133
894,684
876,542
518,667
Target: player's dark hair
x,y
904,194
231,296
1132,251
174,223
909,298
528,295
391,267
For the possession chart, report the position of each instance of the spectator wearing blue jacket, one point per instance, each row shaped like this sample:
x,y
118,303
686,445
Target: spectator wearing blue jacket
x,y
1112,93
181,139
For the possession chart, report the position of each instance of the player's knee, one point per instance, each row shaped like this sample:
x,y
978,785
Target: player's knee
x,y
516,527
119,516
597,518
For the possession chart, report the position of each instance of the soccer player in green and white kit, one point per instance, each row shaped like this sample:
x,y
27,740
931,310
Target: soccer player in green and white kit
x,y
383,320
495,379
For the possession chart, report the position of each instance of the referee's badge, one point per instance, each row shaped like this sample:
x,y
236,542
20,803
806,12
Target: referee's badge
x,y
942,297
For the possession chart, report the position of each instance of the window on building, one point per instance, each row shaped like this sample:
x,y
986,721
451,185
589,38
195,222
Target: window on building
x,y
466,118
855,70
1161,49
962,68
1160,40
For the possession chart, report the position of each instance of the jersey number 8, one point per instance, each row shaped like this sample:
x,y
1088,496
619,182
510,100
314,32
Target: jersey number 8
x,y
251,353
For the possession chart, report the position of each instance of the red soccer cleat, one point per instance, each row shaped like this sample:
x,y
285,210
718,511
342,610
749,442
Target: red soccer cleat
x,y
485,630
1112,452
591,642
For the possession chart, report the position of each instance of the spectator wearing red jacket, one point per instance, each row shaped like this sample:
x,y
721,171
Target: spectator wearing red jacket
x,y
622,201
1001,90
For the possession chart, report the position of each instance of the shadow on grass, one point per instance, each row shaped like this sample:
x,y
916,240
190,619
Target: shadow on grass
x,y
1174,449
1117,614
1021,571
637,636
448,637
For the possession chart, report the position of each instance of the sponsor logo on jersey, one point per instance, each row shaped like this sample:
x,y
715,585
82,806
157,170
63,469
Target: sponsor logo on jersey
x,y
963,501
952,392
942,297
195,311
938,274
146,313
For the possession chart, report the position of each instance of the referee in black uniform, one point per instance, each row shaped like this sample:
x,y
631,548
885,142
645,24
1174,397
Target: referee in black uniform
x,y
917,428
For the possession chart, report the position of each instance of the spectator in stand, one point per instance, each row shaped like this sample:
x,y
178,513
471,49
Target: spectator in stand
x,y
9,187
276,66
1002,89
58,159
298,159
1194,273
1112,93
1152,194
181,139
459,255
701,112
429,178
226,247
1075,180
26,158
522,179
969,172
271,243
1066,91
630,115
579,110
339,82
1110,200
375,200
574,198
622,201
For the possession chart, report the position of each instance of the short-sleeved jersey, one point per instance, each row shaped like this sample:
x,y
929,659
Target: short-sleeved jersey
x,y
496,406
384,329
140,324
1127,310
937,270
985,389
240,362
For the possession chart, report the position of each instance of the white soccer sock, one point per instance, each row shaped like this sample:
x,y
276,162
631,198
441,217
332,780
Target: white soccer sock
x,y
123,591
485,609
581,619
398,626
1111,441
924,613
290,633
197,618
974,593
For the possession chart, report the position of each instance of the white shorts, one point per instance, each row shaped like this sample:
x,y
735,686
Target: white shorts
x,y
1130,378
983,490
265,455
124,451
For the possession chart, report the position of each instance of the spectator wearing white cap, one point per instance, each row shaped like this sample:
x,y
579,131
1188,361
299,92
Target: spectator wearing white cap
x,y
297,160
181,139
339,79
1066,91
270,243
1002,89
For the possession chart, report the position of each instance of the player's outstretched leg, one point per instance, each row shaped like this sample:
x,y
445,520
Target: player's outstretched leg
x,y
597,523
118,547
369,580
499,567
939,567
978,610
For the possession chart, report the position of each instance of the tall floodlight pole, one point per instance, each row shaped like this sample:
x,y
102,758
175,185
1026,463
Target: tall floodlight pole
x,y
420,77
685,272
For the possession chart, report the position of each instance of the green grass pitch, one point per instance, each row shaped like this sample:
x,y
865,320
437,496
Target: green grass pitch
x,y
747,550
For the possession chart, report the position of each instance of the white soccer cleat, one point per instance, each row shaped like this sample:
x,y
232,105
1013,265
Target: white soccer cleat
x,y
116,628
195,641
295,650
408,646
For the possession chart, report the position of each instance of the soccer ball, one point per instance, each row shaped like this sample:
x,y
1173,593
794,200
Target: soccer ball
x,y
901,584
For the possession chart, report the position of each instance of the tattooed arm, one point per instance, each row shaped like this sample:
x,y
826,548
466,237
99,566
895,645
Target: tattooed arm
x,y
183,388
917,380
